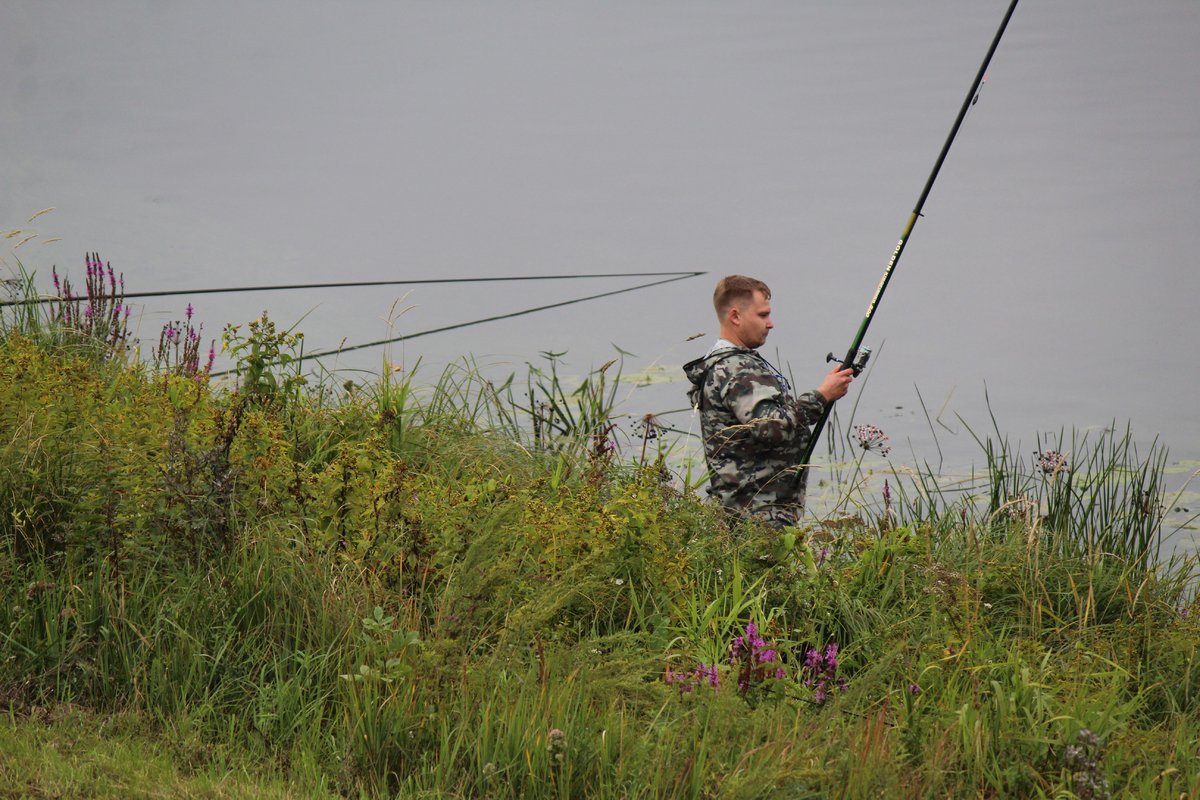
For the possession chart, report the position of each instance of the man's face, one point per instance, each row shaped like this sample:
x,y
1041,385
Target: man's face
x,y
753,320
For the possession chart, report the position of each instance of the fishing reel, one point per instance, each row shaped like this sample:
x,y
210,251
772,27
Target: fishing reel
x,y
860,362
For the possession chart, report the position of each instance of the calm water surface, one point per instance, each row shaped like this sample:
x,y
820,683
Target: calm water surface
x,y
1053,277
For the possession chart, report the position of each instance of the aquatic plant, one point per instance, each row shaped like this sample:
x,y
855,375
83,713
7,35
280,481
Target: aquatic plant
x,y
98,318
819,672
178,351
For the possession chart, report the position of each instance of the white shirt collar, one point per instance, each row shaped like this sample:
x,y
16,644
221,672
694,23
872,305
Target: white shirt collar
x,y
721,344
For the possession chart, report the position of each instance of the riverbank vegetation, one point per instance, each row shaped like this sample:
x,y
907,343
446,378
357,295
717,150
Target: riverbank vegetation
x,y
464,589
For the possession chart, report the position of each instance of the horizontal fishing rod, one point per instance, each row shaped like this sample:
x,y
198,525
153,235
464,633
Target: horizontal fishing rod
x,y
678,276
352,284
854,359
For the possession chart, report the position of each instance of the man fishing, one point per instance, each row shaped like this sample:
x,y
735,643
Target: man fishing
x,y
755,430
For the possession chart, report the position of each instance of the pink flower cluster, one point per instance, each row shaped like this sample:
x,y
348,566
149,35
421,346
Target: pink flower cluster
x,y
99,313
871,437
752,658
820,671
687,682
1052,462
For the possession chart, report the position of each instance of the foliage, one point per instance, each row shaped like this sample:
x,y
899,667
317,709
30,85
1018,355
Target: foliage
x,y
268,360
450,591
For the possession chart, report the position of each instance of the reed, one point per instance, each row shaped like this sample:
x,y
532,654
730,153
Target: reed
x,y
412,590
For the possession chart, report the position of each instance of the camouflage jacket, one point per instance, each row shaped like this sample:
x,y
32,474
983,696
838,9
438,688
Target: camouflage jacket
x,y
754,432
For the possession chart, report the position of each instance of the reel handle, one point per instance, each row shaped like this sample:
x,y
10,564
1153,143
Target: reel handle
x,y
860,363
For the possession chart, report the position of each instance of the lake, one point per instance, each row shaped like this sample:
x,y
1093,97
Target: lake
x,y
1051,280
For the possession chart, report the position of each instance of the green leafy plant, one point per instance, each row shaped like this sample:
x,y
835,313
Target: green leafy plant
x,y
267,361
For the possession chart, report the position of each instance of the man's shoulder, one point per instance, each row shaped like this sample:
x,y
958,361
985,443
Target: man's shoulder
x,y
737,361
745,374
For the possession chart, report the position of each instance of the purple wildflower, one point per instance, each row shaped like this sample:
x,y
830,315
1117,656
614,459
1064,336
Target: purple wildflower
x,y
820,672
188,311
686,682
750,654
831,656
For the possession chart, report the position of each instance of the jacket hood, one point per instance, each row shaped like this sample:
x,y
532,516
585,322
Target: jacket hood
x,y
697,371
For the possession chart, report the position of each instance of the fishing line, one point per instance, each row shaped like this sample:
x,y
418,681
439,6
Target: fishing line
x,y
352,284
679,276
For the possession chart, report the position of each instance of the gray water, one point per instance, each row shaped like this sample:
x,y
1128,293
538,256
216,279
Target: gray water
x,y
225,143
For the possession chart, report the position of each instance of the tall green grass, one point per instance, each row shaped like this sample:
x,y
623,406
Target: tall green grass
x,y
463,589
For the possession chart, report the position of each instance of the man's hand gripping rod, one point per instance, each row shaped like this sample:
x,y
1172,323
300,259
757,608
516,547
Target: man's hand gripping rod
x,y
857,355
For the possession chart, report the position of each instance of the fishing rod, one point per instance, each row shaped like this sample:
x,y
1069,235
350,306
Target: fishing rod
x,y
678,276
857,355
352,284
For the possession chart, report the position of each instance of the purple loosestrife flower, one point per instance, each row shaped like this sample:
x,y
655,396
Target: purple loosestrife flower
x,y
188,311
750,654
714,680
686,682
820,672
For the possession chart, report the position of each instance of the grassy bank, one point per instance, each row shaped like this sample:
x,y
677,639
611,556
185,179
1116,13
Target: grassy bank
x,y
466,590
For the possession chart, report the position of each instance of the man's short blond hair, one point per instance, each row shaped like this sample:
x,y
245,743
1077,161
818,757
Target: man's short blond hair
x,y
734,289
